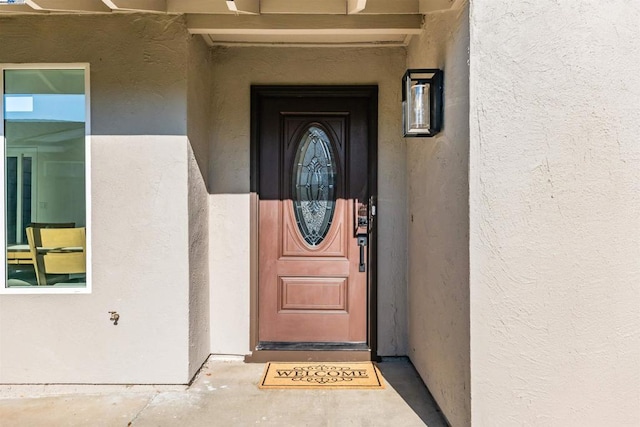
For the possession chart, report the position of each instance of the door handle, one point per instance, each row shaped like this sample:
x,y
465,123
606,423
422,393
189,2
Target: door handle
x,y
363,240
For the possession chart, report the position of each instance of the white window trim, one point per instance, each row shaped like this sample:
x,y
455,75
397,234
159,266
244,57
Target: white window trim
x,y
3,264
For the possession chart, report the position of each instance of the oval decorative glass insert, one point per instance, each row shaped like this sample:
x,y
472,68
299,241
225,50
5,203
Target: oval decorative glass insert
x,y
314,185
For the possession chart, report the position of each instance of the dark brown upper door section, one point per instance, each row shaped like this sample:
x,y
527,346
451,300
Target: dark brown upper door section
x,y
313,163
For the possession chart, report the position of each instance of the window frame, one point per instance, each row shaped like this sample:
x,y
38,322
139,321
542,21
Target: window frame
x,y
19,155
24,290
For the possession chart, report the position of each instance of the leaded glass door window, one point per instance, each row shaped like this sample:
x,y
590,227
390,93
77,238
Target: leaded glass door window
x,y
314,185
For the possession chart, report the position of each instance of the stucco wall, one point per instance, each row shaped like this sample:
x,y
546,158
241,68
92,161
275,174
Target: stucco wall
x,y
139,200
124,51
198,112
234,70
438,197
554,226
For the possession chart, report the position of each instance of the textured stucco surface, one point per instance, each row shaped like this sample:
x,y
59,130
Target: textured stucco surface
x,y
140,206
438,208
198,110
234,70
124,50
554,202
69,338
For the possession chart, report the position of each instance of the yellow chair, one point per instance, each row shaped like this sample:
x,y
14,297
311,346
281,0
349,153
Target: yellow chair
x,y
57,251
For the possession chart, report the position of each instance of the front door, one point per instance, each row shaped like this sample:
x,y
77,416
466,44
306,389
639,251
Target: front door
x,y
315,154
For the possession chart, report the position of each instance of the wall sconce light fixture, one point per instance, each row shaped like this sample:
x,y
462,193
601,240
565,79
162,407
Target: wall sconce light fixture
x,y
422,102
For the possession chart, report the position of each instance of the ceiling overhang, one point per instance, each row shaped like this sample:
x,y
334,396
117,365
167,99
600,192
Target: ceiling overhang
x,y
272,22
305,29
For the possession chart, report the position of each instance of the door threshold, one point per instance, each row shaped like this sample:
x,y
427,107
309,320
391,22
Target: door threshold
x,y
312,346
263,356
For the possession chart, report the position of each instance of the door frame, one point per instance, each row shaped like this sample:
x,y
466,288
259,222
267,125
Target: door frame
x,y
258,92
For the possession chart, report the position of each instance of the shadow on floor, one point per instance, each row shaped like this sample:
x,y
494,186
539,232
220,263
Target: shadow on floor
x,y
225,393
405,380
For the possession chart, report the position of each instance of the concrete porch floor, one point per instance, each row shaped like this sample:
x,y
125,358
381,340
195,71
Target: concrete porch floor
x,y
224,393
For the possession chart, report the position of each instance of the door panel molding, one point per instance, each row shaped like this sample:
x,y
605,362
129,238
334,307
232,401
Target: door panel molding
x,y
308,294
332,246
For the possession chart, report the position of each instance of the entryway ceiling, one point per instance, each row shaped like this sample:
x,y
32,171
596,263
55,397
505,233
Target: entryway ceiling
x,y
259,22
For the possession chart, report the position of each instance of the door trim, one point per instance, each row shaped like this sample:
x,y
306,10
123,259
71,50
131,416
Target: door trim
x,y
259,92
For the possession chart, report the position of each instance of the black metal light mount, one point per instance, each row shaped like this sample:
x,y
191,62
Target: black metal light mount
x,y
422,102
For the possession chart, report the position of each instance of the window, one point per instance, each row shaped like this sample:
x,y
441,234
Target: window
x,y
45,178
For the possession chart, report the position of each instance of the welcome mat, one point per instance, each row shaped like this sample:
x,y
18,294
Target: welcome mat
x,y
321,375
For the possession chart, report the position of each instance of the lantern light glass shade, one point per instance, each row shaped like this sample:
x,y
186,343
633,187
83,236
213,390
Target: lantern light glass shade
x,y
422,102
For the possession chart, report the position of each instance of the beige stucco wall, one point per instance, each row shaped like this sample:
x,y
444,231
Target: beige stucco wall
x,y
438,209
554,202
234,70
140,175
198,113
